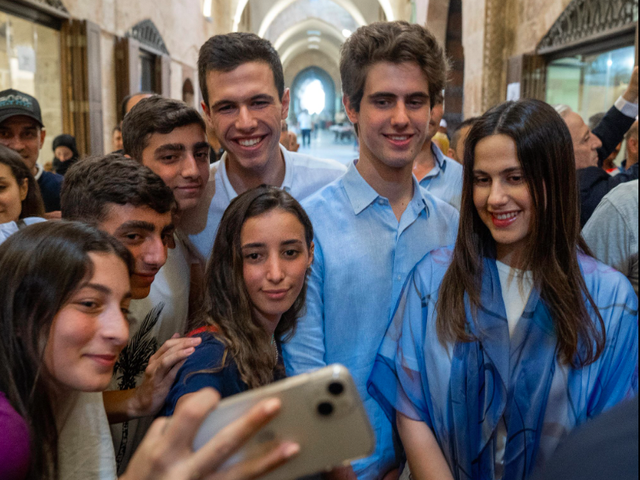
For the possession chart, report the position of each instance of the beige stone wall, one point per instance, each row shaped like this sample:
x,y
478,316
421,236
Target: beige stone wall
x,y
181,23
529,21
473,14
525,23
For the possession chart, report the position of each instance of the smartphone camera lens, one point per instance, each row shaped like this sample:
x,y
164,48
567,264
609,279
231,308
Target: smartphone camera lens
x,y
336,388
325,409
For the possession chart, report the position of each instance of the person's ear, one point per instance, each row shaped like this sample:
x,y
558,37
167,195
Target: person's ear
x,y
286,100
206,110
24,189
312,248
348,108
43,134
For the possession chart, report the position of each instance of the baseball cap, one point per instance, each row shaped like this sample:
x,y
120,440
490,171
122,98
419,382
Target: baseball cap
x,y
14,102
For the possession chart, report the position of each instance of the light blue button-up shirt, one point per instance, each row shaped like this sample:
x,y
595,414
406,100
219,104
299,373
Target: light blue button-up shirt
x,y
445,178
303,176
362,258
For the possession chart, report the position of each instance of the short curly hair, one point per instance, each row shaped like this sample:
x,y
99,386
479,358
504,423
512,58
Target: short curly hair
x,y
93,184
395,42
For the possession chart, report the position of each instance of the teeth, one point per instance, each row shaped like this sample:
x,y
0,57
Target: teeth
x,y
249,142
399,138
505,216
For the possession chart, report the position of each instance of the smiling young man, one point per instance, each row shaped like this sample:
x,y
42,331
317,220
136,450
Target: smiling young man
x,y
245,100
376,222
129,201
22,130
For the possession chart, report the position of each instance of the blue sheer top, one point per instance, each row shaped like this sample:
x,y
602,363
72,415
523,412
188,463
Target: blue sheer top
x,y
462,391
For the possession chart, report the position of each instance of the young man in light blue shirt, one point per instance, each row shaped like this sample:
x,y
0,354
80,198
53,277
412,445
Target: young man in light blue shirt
x,y
245,101
375,223
439,175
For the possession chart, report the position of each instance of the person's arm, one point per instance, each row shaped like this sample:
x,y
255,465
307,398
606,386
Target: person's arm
x,y
425,459
148,398
615,123
166,452
306,351
608,237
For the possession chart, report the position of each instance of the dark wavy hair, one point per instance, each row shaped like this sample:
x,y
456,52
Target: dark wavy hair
x,y
545,152
394,42
227,52
32,205
42,266
227,304
93,184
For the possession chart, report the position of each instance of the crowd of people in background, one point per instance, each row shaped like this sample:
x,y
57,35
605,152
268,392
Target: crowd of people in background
x,y
481,287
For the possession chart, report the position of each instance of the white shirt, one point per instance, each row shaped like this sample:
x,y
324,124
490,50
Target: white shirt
x,y
516,287
303,176
85,450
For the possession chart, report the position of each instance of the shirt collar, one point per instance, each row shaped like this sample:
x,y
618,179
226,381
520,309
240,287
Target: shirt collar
x,y
361,194
231,192
439,161
39,172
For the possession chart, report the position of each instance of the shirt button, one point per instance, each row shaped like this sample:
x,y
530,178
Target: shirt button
x,y
399,278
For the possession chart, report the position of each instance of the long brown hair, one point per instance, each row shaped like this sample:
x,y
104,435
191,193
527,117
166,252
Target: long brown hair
x,y
227,304
42,267
32,205
545,152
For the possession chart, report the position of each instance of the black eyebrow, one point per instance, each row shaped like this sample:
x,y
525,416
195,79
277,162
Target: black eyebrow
x,y
103,289
175,147
293,241
200,145
252,245
505,171
375,95
261,96
136,224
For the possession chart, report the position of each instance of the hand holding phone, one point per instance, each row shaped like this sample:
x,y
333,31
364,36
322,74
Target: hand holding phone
x,y
166,452
321,411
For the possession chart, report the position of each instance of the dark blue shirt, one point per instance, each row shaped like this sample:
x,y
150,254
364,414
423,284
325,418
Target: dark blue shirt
x,y
208,356
50,185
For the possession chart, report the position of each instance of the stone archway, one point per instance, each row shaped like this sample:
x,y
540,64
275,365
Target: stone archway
x,y
282,4
307,75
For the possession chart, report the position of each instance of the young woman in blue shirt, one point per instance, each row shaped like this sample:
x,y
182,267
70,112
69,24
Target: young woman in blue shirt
x,y
506,342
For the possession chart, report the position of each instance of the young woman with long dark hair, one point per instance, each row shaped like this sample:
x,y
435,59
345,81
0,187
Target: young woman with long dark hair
x,y
64,294
20,199
502,345
255,292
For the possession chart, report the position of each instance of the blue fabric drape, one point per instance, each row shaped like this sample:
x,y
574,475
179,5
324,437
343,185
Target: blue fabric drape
x,y
463,391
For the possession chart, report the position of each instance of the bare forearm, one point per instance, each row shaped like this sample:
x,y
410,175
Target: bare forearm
x,y
121,405
424,456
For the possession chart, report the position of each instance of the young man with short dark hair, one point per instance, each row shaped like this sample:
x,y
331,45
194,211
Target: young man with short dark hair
x,y
22,130
375,223
170,138
245,100
129,201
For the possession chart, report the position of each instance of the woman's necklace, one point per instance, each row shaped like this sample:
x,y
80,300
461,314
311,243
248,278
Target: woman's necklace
x,y
275,350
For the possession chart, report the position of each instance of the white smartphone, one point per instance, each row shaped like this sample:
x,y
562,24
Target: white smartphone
x,y
321,411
